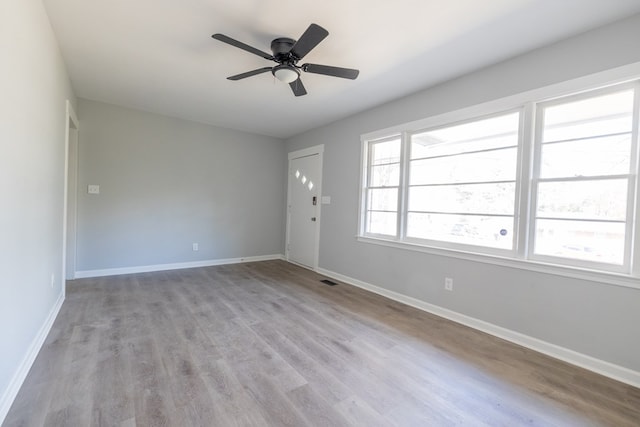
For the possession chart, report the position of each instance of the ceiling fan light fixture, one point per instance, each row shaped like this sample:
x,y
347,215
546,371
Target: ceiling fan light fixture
x,y
286,73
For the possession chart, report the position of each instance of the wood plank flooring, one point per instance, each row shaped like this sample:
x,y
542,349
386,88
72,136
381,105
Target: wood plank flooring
x,y
267,344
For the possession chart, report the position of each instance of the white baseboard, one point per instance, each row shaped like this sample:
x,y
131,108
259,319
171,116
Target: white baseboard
x,y
602,367
174,266
12,390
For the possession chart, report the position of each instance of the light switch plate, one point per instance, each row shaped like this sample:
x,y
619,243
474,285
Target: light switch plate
x,y
326,200
93,189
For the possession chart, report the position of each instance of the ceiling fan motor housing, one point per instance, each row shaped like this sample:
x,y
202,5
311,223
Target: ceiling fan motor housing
x,y
281,48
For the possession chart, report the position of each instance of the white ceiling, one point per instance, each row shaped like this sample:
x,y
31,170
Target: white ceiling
x,y
158,55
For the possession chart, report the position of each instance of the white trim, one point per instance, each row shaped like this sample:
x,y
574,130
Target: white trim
x,y
590,363
305,152
316,149
173,266
364,176
20,375
635,163
523,182
71,122
72,114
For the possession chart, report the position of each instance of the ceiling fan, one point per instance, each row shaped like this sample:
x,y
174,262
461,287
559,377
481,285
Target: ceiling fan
x,y
287,52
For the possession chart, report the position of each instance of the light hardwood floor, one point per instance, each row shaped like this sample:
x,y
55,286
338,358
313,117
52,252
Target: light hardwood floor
x,y
267,344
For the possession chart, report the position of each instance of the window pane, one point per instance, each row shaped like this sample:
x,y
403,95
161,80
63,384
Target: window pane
x,y
384,171
494,132
605,199
385,152
382,223
499,165
590,157
383,199
385,175
601,115
495,232
582,240
475,198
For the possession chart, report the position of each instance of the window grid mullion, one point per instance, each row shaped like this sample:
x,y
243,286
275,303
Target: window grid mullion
x,y
465,153
523,182
444,184
383,187
585,138
464,213
403,193
602,220
585,178
538,126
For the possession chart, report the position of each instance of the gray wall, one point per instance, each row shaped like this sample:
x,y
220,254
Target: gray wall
x,y
33,86
166,183
595,319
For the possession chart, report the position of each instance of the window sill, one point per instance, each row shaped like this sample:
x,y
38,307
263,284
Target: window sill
x,y
608,278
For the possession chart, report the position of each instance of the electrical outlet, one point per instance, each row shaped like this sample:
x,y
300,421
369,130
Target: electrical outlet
x,y
195,247
448,283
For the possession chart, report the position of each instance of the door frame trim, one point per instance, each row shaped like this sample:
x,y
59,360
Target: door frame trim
x,y
306,152
71,122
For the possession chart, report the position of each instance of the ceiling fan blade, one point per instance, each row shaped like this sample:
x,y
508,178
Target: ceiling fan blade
x,y
298,88
242,46
308,40
345,73
249,73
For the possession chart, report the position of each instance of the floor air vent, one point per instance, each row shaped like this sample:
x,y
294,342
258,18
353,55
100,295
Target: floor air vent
x,y
328,282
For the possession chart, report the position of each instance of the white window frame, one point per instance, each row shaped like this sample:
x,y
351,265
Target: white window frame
x,y
521,257
366,177
406,168
631,178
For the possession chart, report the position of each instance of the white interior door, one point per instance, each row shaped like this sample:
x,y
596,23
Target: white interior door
x,y
304,201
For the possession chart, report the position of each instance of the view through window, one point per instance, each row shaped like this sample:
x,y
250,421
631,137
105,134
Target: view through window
x,y
462,182
584,177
